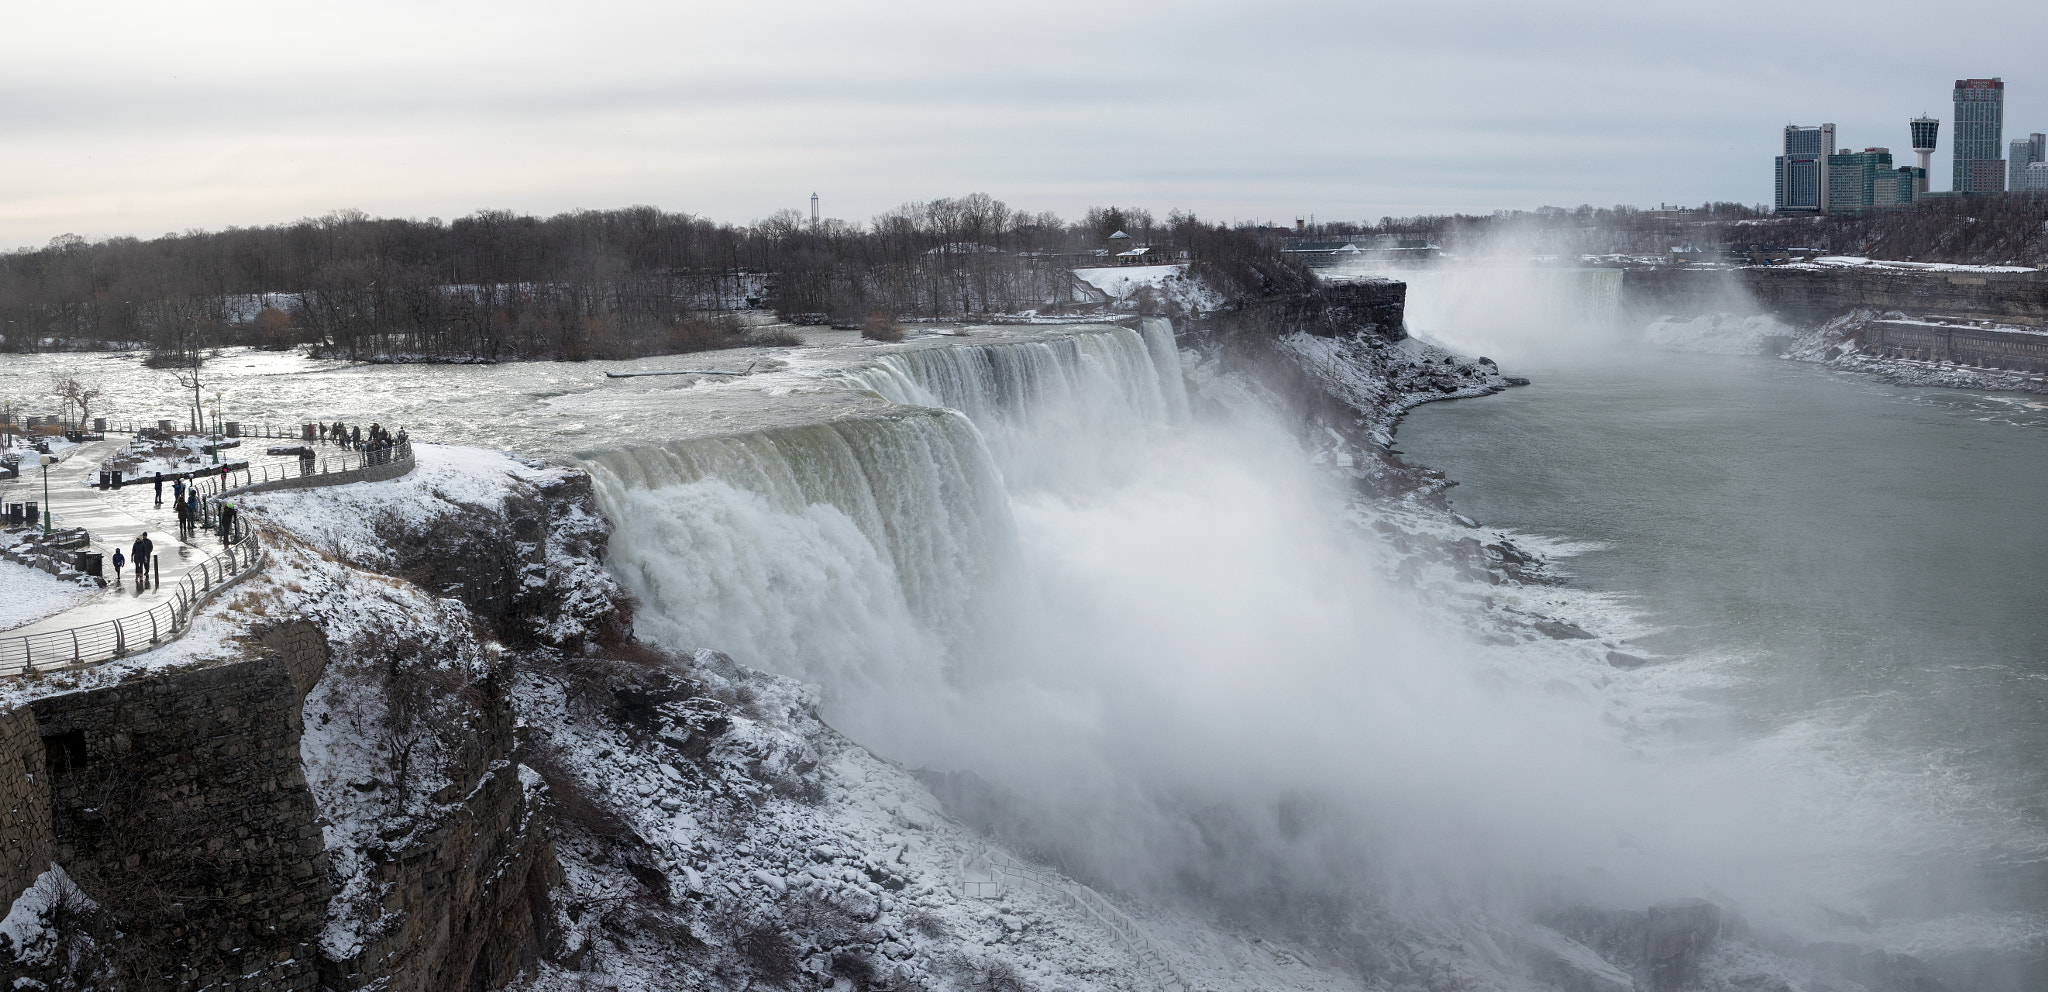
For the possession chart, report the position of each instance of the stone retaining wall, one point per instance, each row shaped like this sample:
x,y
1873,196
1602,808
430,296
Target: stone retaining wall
x,y
178,802
25,831
1979,346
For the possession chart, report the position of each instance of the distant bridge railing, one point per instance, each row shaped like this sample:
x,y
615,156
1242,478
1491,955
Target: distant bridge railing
x,y
244,553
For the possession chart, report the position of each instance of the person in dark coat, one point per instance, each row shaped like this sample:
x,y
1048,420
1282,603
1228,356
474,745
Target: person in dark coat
x,y
191,511
323,430
139,554
227,521
177,490
159,489
120,569
355,437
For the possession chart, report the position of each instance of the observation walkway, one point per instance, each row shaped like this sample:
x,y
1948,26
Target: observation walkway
x,y
124,620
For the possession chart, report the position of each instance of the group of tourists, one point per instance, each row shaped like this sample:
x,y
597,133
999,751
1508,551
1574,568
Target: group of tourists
x,y
355,437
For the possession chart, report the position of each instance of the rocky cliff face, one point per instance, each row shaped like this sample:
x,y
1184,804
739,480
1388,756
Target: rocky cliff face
x,y
1811,295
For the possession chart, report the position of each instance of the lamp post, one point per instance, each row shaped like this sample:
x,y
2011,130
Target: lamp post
x,y
216,427
47,460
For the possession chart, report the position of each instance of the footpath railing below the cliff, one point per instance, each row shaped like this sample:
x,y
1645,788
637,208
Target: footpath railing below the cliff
x,y
89,644
1003,870
109,639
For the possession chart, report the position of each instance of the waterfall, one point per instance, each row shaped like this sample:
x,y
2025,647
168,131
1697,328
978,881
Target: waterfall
x,y
868,553
1031,397
837,551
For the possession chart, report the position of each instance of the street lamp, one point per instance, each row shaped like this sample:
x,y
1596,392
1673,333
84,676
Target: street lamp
x,y
216,427
48,460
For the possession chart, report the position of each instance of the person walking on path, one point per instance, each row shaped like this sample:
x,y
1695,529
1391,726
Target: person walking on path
x,y
178,491
191,512
227,521
159,489
120,576
184,520
139,555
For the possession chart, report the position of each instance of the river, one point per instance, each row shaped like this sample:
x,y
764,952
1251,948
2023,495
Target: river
x,y
1827,561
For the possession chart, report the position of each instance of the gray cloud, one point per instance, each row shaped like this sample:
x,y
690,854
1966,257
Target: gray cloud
x,y
131,118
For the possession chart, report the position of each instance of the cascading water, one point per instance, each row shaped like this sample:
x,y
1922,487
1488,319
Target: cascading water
x,y
1196,673
1031,399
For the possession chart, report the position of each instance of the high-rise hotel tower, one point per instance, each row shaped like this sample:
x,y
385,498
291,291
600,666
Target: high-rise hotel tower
x,y
1980,123
1803,170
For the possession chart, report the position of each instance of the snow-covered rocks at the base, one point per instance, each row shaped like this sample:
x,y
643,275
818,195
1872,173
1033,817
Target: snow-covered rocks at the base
x,y
1720,334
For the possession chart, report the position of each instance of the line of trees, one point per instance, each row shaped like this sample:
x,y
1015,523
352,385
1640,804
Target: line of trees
x,y
585,284
2011,229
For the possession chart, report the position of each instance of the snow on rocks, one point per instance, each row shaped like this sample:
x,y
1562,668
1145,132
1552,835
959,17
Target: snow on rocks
x,y
1167,285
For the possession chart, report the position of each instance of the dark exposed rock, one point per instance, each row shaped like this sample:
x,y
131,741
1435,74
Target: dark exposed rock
x,y
1562,630
1623,660
1676,934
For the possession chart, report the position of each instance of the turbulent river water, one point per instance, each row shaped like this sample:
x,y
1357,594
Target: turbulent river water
x,y
1184,667
1838,563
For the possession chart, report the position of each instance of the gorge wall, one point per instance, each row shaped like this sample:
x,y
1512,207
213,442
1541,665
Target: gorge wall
x,y
1814,294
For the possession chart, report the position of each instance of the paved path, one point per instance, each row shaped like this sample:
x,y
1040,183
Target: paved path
x,y
115,518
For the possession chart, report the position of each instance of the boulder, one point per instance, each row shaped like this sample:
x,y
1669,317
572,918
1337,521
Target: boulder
x,y
1569,965
1679,931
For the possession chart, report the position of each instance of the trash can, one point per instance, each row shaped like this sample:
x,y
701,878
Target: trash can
x,y
88,562
33,513
164,425
14,514
99,426
234,428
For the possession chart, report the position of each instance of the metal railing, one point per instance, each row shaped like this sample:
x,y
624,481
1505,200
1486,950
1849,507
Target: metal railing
x,y
104,641
214,485
269,432
1004,870
93,643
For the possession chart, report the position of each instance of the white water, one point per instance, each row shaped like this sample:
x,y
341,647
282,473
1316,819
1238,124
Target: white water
x,y
1171,641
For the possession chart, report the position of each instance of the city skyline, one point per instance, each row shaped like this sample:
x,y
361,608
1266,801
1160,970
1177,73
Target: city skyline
x,y
228,114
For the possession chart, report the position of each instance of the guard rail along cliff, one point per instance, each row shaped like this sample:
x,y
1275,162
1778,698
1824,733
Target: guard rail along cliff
x,y
104,641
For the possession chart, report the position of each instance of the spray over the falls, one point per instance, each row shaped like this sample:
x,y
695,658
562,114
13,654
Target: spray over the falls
x,y
1182,667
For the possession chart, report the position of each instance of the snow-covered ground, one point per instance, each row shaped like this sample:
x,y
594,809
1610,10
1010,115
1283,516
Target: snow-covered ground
x,y
141,458
1858,262
1126,284
27,595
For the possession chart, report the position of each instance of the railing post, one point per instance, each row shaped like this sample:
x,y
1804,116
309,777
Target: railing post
x,y
120,640
74,645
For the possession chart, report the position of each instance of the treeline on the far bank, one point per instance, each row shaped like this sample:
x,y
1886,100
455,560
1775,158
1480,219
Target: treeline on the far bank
x,y
587,284
2008,229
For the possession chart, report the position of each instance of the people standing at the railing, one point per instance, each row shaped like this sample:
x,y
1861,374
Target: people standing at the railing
x,y
323,430
355,437
340,434
159,489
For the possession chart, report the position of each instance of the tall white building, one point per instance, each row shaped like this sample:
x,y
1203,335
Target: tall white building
x,y
2020,159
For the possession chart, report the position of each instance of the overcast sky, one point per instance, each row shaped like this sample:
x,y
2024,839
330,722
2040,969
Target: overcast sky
x,y
146,118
